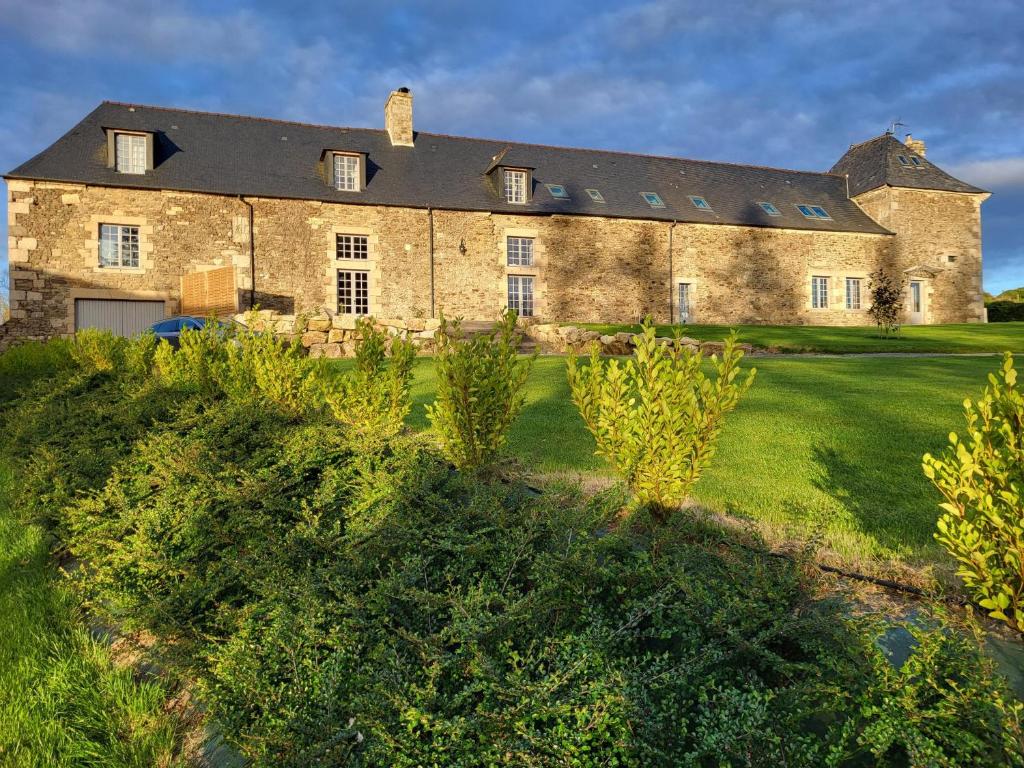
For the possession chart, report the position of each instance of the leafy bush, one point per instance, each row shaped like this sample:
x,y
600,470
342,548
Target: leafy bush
x,y
886,301
479,390
1005,311
982,479
374,398
657,416
27,363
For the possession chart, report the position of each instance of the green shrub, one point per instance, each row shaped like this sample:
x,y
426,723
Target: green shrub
x,y
374,398
24,364
944,706
982,479
657,416
479,390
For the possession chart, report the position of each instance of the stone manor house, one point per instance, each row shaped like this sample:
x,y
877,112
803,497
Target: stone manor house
x,y
108,224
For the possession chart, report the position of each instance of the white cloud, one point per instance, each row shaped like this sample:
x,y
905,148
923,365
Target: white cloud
x,y
1006,173
118,29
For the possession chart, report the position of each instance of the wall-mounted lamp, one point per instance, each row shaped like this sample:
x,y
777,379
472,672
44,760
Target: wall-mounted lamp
x,y
462,246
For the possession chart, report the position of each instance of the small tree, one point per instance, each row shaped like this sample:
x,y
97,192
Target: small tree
x,y
479,390
656,417
982,480
886,302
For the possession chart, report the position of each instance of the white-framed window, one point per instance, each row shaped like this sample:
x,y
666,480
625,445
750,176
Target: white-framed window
x,y
685,302
853,293
595,195
119,246
130,153
700,202
770,209
653,199
558,191
346,173
813,212
903,160
515,186
351,246
520,295
519,251
819,292
353,292
916,161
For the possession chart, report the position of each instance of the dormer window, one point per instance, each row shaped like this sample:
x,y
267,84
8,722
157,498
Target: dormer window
x,y
346,173
515,186
129,151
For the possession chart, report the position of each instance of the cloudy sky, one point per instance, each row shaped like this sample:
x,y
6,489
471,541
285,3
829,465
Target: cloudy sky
x,y
773,82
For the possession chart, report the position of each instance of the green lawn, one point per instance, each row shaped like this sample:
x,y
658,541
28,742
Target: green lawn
x,y
819,444
63,702
990,337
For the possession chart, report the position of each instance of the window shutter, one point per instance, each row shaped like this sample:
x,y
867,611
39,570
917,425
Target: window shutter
x,y
362,171
149,151
327,168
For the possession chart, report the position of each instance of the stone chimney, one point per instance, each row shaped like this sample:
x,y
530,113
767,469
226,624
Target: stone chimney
x,y
914,145
398,117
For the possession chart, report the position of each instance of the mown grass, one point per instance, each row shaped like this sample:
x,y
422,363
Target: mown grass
x,y
63,700
962,338
828,446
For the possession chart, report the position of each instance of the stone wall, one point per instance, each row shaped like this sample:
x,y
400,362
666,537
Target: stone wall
x,y
931,227
587,269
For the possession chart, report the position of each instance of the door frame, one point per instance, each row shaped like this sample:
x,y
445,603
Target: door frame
x,y
918,316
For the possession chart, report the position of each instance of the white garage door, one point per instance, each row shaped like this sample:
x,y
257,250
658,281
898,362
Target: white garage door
x,y
122,317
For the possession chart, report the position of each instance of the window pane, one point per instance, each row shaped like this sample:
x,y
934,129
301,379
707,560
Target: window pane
x,y
346,173
819,292
515,186
352,247
353,292
108,245
852,293
684,302
520,251
130,153
129,246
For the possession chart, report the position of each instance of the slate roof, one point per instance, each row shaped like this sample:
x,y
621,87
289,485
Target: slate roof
x,y
234,155
875,163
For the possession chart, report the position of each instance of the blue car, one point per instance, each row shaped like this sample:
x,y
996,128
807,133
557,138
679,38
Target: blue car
x,y
169,330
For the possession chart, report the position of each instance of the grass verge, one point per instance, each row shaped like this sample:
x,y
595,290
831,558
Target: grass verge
x,y
63,701
961,338
823,447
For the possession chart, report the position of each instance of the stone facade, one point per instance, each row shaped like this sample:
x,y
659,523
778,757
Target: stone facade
x,y
939,243
586,269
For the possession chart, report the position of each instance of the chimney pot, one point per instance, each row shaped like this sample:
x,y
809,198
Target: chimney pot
x,y
398,117
914,145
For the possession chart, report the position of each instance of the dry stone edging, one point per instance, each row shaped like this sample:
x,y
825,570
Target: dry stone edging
x,y
552,337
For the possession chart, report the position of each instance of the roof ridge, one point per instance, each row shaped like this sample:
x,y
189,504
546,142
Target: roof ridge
x,y
624,153
876,138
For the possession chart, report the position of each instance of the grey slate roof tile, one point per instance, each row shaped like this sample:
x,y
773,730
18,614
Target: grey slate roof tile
x,y
258,157
875,163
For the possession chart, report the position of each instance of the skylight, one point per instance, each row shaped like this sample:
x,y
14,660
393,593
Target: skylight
x,y
653,199
770,209
813,212
700,202
916,161
903,160
557,190
595,195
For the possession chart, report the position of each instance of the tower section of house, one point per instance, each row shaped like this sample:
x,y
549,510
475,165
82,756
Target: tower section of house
x,y
937,221
111,225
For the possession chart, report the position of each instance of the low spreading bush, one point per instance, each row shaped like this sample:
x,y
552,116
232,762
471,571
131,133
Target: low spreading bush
x,y
656,417
981,476
480,390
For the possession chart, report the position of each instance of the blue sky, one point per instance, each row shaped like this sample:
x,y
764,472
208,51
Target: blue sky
x,y
776,82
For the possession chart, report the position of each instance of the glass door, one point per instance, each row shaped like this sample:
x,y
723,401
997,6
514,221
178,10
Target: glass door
x,y
916,303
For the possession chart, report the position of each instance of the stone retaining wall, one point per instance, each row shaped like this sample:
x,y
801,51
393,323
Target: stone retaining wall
x,y
327,335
